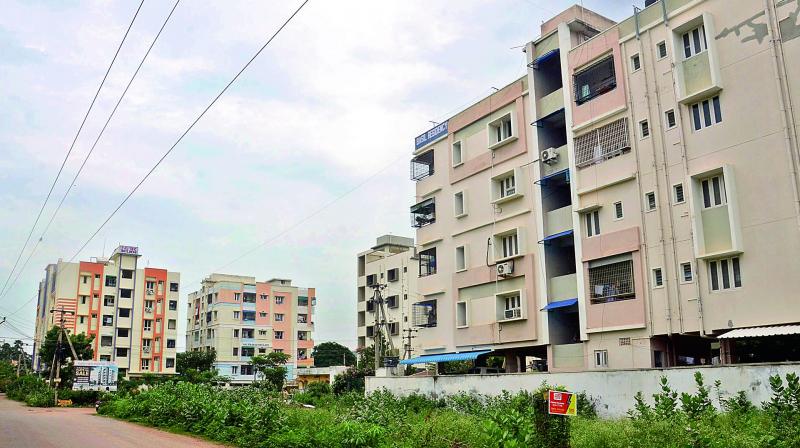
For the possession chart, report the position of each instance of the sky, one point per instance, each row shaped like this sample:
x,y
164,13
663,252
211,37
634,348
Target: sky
x,y
297,168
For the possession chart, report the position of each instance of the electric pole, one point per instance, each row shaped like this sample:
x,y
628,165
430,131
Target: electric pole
x,y
55,368
381,324
408,349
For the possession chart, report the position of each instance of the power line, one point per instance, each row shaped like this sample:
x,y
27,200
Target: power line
x,y
89,154
63,163
142,181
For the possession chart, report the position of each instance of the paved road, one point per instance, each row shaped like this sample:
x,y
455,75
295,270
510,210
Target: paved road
x,y
21,426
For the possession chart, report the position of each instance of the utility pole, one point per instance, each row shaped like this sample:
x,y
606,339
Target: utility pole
x,y
408,349
55,368
380,324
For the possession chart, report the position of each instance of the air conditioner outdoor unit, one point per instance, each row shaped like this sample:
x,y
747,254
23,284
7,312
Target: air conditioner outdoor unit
x,y
549,156
148,310
150,292
505,269
146,349
514,313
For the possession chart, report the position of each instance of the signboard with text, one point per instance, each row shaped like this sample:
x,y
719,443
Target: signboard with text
x,y
435,133
128,250
95,375
562,403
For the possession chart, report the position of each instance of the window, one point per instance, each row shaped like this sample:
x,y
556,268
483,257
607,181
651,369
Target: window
x,y
278,317
108,300
108,320
278,334
686,272
171,324
122,332
126,293
236,314
611,279
423,213
422,166
170,343
247,370
248,351
235,351
302,335
237,296
372,279
111,281
85,279
644,129
510,245
601,358
678,195
106,341
508,186
725,274
461,258
122,352
706,113
427,262
512,305
650,201
150,285
302,354
500,130
173,287
394,328
694,42
624,341
462,319
249,316
82,319
713,191
235,332
602,143
262,314
262,350
592,223
459,204
145,364
264,297
392,275
279,300
658,278
669,118
661,49
262,332
147,324
595,80
173,305
234,370
636,62
457,154
618,212
169,363
83,300
424,313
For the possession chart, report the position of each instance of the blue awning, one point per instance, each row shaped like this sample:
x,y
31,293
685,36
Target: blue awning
x,y
538,123
549,55
556,235
544,179
445,357
560,304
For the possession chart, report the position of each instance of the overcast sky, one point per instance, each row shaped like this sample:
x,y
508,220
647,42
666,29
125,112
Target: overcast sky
x,y
329,111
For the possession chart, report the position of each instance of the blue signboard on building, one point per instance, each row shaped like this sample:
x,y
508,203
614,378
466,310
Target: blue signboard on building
x,y
437,132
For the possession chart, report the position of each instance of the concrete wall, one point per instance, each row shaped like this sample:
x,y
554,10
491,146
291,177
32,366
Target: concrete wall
x,y
612,390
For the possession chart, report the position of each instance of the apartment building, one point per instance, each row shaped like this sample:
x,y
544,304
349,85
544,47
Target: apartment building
x,y
631,202
131,311
240,318
391,268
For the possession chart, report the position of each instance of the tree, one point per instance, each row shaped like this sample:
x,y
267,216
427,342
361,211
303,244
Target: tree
x,y
83,348
271,368
198,367
332,354
12,353
353,378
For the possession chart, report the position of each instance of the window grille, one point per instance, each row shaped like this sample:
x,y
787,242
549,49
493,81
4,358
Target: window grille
x,y
424,314
595,80
624,341
422,166
423,213
612,282
602,143
427,262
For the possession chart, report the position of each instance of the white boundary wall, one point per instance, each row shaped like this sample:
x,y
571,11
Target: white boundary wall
x,y
612,390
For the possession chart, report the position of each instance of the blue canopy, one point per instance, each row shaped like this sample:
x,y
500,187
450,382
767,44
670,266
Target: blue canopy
x,y
557,235
560,304
550,54
445,357
544,179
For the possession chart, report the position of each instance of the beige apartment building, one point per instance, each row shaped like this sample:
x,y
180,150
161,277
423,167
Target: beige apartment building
x,y
631,202
239,318
391,268
131,311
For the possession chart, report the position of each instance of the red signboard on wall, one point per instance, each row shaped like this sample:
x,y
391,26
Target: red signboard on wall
x,y
562,403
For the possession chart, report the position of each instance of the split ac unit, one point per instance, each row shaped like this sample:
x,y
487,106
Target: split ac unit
x,y
549,156
505,269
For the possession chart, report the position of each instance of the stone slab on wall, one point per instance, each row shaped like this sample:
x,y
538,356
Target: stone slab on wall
x,y
613,390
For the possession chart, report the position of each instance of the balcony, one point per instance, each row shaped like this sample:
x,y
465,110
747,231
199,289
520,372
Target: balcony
x,y
422,166
558,220
550,103
423,213
562,288
559,163
698,79
567,356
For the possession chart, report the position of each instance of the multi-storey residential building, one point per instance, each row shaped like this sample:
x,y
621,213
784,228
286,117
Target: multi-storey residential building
x,y
131,311
240,318
391,267
642,181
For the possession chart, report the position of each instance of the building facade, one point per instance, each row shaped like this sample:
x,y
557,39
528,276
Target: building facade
x,y
239,318
131,311
392,268
629,200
